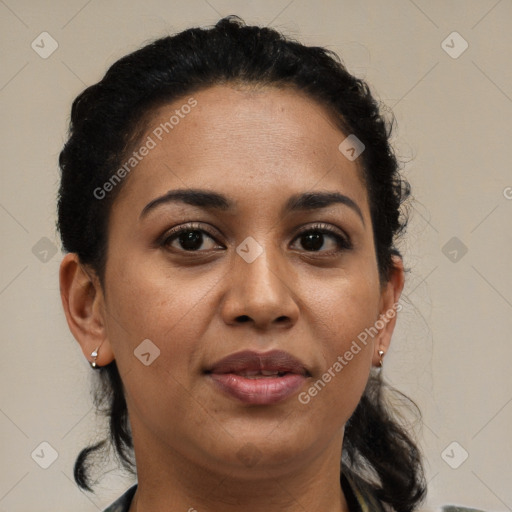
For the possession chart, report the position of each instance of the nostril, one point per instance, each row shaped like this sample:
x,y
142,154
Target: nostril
x,y
243,319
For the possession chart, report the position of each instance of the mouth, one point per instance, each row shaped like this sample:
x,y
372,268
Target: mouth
x,y
258,378
258,374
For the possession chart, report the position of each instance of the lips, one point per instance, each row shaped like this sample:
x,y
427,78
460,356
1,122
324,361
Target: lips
x,y
249,363
258,378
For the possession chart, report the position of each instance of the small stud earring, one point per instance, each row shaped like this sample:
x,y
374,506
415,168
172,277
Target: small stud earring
x,y
381,353
94,354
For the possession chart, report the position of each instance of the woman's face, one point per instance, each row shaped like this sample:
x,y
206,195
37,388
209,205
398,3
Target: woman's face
x,y
241,277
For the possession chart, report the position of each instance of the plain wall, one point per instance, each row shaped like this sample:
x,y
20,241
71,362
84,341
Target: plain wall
x,y
451,351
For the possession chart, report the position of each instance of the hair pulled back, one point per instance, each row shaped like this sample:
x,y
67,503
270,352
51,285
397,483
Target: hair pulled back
x,y
107,119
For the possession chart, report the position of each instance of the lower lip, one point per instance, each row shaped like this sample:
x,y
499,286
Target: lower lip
x,y
264,390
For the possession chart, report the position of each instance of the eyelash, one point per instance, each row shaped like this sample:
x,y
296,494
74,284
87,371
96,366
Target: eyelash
x,y
342,242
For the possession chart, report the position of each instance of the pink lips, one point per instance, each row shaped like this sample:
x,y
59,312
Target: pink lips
x,y
259,378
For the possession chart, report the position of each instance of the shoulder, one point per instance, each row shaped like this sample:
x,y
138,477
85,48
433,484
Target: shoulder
x,y
359,495
359,492
122,504
456,508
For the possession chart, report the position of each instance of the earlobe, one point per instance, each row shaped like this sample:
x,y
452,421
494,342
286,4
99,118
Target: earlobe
x,y
389,303
83,303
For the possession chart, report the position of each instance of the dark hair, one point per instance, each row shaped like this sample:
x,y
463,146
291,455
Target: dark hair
x,y
109,117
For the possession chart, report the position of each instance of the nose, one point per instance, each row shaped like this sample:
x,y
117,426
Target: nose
x,y
261,293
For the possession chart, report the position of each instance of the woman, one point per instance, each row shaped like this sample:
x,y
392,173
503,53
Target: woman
x,y
229,203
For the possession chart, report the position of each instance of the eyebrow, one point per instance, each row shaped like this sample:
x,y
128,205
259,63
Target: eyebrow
x,y
209,200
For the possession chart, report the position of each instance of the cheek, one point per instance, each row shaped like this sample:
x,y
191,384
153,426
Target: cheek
x,y
172,314
172,310
345,307
146,303
343,318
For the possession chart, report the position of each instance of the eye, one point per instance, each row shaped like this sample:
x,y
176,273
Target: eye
x,y
314,237
189,237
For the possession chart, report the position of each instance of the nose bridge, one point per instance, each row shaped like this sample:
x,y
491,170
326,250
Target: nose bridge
x,y
259,263
260,287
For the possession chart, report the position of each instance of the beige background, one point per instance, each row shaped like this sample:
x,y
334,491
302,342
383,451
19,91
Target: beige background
x,y
452,352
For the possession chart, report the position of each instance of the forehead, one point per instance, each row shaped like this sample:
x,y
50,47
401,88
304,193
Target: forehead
x,y
259,142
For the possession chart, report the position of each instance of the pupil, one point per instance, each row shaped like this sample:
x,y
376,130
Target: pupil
x,y
313,241
190,239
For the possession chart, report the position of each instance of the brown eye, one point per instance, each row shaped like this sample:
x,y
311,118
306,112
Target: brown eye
x,y
189,238
314,238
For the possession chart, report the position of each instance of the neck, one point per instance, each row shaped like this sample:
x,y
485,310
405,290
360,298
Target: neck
x,y
169,481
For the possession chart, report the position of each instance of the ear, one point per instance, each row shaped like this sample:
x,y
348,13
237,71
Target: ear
x,y
389,308
83,303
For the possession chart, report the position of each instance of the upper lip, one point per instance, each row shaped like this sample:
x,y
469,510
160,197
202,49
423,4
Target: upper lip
x,y
248,360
